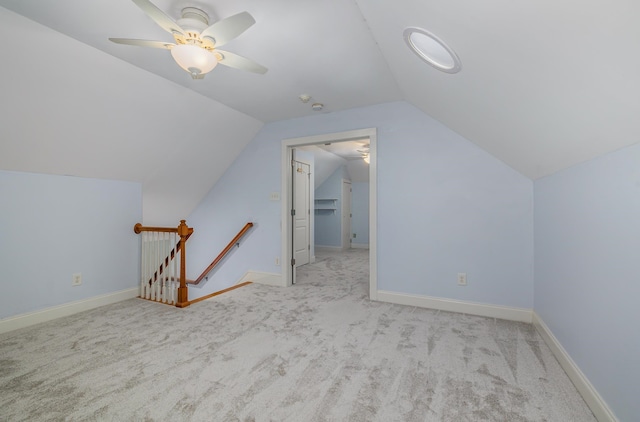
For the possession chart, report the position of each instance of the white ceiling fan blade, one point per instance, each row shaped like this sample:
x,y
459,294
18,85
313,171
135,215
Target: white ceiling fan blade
x,y
239,62
143,43
227,29
159,16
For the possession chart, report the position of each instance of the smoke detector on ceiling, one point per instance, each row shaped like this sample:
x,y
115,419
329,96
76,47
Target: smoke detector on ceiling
x,y
317,106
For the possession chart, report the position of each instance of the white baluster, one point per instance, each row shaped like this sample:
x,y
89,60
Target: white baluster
x,y
165,254
170,270
154,257
176,266
142,262
146,277
158,270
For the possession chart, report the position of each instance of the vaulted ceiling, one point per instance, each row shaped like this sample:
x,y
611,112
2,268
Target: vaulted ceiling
x,y
544,84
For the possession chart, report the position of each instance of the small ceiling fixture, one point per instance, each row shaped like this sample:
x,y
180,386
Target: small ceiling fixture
x,y
317,106
305,98
432,50
365,151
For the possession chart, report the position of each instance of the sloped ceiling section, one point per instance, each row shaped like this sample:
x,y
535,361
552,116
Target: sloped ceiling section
x,y
329,157
70,109
544,84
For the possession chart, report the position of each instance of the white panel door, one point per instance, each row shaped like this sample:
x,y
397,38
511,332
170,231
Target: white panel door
x,y
302,213
346,214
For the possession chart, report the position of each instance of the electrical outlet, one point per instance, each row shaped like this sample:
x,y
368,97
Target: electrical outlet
x,y
462,279
274,196
76,279
277,261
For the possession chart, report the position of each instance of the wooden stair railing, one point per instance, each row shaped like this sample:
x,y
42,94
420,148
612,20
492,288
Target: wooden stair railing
x,y
184,232
234,242
154,283
165,263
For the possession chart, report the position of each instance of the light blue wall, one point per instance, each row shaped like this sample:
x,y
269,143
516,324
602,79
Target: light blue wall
x,y
444,206
587,271
241,195
54,226
329,224
360,212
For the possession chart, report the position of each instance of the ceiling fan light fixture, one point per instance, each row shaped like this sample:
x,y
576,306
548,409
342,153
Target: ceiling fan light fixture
x,y
432,50
195,60
196,39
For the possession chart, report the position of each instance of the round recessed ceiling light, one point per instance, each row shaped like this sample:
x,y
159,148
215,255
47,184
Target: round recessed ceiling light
x,y
432,50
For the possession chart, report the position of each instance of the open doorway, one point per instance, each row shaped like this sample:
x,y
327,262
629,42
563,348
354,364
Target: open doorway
x,y
288,154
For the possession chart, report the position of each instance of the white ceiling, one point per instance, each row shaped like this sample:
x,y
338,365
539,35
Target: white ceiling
x,y
544,84
330,156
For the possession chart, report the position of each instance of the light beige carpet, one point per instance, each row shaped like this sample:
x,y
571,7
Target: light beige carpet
x,y
318,351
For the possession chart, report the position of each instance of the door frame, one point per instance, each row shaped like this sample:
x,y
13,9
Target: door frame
x,y
286,182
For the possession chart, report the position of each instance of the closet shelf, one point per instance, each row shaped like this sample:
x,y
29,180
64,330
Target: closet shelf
x,y
325,205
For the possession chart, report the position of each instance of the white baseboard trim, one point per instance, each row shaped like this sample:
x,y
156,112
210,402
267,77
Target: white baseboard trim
x,y
335,248
48,314
259,277
359,245
472,308
598,406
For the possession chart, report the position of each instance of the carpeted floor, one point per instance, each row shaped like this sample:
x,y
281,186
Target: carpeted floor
x,y
318,351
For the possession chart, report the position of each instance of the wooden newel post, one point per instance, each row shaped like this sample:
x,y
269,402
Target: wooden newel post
x,y
183,232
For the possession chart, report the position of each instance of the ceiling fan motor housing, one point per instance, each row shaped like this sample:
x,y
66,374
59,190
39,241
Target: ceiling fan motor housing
x,y
193,18
193,22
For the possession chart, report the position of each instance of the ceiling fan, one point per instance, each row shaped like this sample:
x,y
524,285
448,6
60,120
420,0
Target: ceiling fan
x,y
196,42
366,155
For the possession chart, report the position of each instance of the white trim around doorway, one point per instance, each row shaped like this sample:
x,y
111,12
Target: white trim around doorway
x,y
287,145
